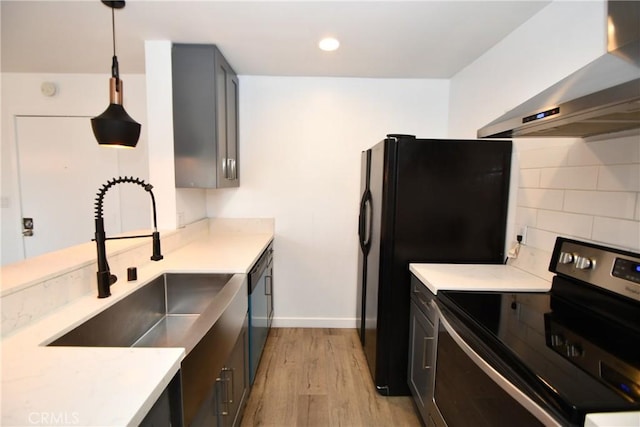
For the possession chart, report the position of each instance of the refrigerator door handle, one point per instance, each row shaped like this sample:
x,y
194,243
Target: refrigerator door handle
x,y
369,220
364,222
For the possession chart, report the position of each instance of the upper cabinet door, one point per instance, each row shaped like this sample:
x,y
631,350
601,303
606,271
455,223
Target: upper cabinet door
x,y
227,122
232,125
205,117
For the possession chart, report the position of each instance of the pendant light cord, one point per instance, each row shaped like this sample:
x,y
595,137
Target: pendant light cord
x,y
113,29
115,72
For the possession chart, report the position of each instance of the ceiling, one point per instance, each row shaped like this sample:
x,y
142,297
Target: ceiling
x,y
379,39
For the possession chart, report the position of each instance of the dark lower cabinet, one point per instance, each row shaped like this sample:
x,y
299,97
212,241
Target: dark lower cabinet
x,y
225,402
235,382
422,347
167,411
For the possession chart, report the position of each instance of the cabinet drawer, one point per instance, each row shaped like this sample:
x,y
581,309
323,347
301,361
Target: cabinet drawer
x,y
422,347
423,298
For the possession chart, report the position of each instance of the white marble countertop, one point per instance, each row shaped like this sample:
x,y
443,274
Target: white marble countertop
x,y
106,386
477,277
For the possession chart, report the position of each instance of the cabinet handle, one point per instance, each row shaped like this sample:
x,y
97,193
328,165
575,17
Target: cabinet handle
x,y
225,172
223,380
229,379
426,352
229,170
270,283
233,173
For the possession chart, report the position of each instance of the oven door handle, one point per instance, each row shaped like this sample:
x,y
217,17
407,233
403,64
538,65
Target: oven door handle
x,y
496,377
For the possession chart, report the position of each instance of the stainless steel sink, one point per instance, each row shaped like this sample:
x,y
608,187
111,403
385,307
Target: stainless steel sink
x,y
164,313
203,313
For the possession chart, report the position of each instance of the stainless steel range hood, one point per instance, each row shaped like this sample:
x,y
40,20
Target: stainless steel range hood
x,y
602,97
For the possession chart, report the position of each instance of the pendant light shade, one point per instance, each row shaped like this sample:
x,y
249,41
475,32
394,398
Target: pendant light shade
x,y
114,127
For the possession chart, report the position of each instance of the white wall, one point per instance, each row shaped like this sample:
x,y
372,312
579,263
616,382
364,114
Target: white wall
x,y
78,95
585,189
300,144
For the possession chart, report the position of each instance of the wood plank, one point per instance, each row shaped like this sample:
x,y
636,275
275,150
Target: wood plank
x,y
344,408
313,410
314,363
320,377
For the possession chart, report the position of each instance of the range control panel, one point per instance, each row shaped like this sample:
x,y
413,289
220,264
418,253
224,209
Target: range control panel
x,y
613,269
626,269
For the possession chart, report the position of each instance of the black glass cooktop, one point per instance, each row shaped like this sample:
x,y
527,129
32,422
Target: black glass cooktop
x,y
570,355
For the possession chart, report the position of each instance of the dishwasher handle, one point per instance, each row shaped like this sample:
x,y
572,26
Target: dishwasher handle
x,y
260,267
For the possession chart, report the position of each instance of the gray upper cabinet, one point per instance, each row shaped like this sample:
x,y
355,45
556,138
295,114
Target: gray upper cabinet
x,y
205,117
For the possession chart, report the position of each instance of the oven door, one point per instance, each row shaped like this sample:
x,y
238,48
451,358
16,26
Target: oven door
x,y
470,392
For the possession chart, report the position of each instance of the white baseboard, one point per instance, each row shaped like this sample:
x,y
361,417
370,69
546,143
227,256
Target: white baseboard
x,y
314,322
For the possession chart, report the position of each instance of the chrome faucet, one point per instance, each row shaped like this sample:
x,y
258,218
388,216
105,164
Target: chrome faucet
x,y
105,278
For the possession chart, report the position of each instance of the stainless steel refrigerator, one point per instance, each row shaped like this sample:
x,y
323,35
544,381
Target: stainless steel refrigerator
x,y
422,200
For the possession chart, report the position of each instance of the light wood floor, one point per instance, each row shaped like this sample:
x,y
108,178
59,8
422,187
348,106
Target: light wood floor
x,y
319,377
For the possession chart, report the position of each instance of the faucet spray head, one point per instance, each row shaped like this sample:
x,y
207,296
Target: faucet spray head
x,y
104,276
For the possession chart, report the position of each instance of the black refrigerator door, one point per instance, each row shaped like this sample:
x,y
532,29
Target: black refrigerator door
x,y
372,291
364,240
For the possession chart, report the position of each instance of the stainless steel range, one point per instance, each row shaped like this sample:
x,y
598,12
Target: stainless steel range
x,y
543,358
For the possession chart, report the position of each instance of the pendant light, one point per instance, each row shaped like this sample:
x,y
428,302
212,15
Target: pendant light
x,y
115,127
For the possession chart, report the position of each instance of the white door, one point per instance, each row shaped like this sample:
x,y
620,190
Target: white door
x,y
61,167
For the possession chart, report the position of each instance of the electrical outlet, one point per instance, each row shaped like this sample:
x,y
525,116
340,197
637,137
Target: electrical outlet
x,y
523,233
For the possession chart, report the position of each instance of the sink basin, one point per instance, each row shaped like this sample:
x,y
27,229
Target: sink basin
x,y
160,314
203,313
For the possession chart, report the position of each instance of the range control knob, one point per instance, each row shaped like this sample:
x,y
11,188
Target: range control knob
x,y
584,263
566,258
574,350
557,340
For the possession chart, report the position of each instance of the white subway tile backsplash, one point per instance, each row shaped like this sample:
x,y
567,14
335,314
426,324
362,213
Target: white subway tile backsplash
x,y
620,150
580,178
540,198
541,239
544,158
529,178
601,203
582,189
565,223
619,178
617,232
526,216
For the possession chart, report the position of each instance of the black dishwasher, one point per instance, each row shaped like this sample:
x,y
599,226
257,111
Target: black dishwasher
x,y
260,307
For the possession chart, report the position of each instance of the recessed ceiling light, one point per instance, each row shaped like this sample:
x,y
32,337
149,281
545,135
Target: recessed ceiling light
x,y
329,44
